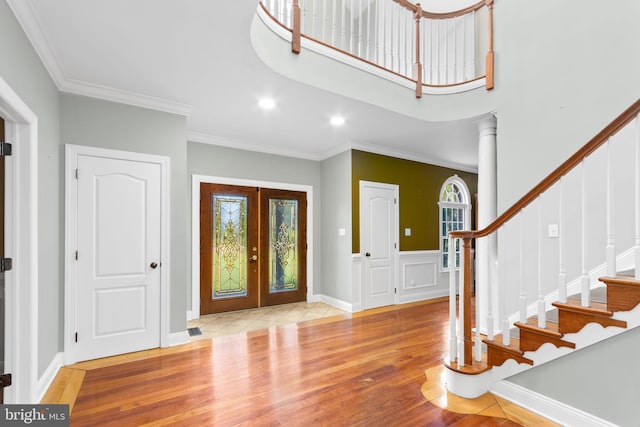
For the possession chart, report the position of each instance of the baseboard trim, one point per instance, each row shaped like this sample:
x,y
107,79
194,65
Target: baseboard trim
x,y
553,410
178,338
342,305
49,375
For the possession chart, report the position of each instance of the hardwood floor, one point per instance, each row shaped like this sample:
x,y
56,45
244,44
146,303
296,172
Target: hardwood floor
x,y
368,370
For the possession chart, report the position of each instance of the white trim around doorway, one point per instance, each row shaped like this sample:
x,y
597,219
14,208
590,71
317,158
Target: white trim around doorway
x,y
196,180
21,299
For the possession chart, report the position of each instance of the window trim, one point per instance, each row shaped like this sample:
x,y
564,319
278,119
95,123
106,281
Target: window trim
x,y
466,207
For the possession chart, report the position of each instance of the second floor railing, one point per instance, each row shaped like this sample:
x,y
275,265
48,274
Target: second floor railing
x,y
432,49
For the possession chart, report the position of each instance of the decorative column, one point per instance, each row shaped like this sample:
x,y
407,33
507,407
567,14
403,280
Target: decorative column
x,y
486,247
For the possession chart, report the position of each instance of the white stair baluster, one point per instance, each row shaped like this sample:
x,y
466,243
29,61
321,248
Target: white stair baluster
x,y
453,337
584,278
611,243
562,268
542,313
637,200
523,289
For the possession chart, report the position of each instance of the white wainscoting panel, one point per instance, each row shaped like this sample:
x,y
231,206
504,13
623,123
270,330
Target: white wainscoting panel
x,y
420,277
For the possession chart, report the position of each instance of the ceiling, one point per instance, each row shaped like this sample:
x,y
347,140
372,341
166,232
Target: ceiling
x,y
194,57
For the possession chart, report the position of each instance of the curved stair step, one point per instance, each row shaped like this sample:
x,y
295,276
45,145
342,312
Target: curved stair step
x,y
498,353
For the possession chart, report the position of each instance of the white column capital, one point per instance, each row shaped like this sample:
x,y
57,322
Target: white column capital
x,y
488,125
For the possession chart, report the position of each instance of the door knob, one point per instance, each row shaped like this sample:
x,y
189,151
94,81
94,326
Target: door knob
x,y
254,258
154,265
367,254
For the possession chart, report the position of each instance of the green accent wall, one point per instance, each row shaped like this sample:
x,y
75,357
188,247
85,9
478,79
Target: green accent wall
x,y
420,185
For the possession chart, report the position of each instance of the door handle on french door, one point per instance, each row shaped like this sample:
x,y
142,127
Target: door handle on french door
x,y
367,254
254,258
154,265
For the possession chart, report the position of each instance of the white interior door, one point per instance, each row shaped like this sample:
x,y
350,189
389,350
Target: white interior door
x,y
118,259
378,242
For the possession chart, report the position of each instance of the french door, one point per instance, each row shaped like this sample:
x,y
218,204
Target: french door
x,y
252,247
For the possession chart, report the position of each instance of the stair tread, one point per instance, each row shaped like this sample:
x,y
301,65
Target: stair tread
x,y
532,324
622,279
576,305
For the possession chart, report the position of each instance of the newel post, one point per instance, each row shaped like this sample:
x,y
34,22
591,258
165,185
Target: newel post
x,y
489,68
466,294
295,36
417,67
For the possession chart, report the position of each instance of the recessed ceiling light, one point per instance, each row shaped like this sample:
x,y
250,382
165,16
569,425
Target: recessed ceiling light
x,y
267,103
337,120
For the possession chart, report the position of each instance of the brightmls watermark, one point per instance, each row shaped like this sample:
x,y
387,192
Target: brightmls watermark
x,y
34,415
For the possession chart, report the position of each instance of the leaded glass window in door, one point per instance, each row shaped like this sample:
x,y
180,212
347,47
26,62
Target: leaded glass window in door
x,y
229,246
283,245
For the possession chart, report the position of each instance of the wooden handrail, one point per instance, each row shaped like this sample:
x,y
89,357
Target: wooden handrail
x,y
431,15
418,12
613,127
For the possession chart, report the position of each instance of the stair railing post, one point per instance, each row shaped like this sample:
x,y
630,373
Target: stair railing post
x,y
585,288
522,306
542,313
489,66
462,308
296,31
468,343
562,268
637,200
453,336
611,242
417,66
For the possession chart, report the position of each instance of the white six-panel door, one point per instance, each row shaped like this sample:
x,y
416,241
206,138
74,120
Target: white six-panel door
x,y
118,266
378,242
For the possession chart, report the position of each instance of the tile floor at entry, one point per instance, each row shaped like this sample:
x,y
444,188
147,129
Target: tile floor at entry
x,y
234,322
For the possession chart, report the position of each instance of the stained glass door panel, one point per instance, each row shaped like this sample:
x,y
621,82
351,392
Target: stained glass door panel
x,y
283,245
228,248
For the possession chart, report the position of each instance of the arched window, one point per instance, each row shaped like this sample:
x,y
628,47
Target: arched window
x,y
455,214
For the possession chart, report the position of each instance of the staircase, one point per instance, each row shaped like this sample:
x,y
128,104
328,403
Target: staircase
x,y
620,293
550,293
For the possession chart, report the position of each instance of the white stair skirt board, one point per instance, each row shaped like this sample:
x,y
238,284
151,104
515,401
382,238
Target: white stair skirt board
x,y
551,409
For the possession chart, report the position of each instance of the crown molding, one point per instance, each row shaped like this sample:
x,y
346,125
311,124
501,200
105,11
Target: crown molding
x,y
124,97
28,20
204,138
386,151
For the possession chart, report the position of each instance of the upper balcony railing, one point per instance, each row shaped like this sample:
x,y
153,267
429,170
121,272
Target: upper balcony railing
x,y
431,49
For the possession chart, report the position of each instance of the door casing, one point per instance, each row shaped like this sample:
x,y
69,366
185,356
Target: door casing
x,y
196,180
363,232
21,242
71,221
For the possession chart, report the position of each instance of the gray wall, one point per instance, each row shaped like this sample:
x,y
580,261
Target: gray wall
x,y
600,380
564,69
96,123
336,214
211,160
22,70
